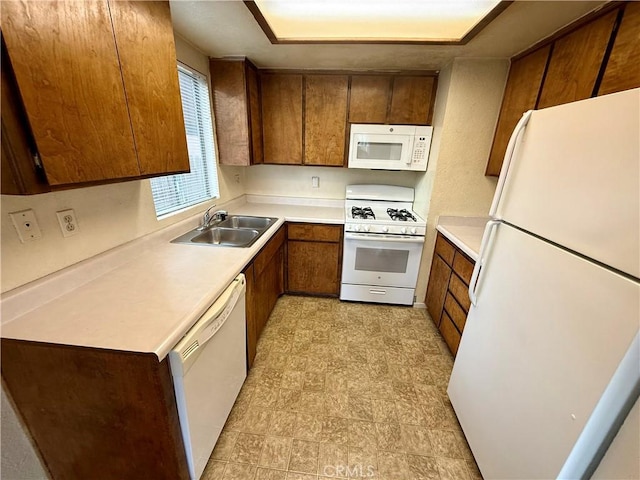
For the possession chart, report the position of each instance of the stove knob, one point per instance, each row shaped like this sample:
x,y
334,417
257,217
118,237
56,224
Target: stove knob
x,y
367,228
414,230
358,228
403,230
385,229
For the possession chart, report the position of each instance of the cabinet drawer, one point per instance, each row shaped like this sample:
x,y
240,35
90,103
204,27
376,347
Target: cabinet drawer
x,y
460,291
455,311
267,252
463,266
445,249
313,232
449,333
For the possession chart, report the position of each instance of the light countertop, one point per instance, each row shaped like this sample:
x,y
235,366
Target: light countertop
x,y
145,295
464,232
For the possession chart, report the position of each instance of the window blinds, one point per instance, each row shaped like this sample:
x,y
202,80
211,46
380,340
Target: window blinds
x,y
175,192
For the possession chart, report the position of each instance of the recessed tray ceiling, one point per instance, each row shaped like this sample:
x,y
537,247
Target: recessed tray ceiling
x,y
373,21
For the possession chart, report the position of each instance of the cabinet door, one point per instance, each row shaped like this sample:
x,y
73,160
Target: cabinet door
x,y
67,69
255,114
325,119
250,314
437,287
520,95
575,62
412,100
282,118
313,267
231,111
369,98
144,37
623,66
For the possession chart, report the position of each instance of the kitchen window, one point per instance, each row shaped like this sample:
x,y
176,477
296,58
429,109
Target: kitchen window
x,y
175,192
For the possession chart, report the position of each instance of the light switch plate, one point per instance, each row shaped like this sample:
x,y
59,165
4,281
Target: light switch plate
x,y
68,222
26,225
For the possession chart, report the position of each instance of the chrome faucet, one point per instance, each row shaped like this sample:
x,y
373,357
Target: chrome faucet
x,y
208,218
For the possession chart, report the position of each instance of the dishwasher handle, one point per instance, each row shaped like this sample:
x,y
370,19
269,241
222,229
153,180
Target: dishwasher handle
x,y
189,348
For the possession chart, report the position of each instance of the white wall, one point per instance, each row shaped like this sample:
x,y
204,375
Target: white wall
x,y
295,181
471,93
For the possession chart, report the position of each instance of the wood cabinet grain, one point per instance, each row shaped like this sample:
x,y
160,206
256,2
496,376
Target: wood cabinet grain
x,y
520,95
250,315
314,259
450,333
437,287
99,87
265,283
146,49
325,119
282,118
447,296
369,98
237,111
412,100
255,113
575,62
67,68
93,413
623,66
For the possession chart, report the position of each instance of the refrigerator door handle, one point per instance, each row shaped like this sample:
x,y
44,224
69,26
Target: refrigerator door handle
x,y
475,277
508,157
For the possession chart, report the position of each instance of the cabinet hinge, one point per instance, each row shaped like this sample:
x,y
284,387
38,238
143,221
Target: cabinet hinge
x,y
37,161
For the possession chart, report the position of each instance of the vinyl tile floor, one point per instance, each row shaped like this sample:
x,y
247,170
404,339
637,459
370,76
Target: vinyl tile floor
x,y
344,390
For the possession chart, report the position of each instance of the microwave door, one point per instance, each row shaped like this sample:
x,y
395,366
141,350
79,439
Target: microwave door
x,y
381,151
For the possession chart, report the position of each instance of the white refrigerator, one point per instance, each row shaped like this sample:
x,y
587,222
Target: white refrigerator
x,y
548,368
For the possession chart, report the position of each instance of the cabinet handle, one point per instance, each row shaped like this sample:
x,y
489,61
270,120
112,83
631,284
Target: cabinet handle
x,y
475,277
508,157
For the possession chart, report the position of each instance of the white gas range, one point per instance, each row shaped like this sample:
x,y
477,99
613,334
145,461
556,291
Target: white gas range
x,y
383,240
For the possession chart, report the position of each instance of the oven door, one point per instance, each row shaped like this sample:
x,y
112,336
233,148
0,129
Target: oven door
x,y
386,152
383,260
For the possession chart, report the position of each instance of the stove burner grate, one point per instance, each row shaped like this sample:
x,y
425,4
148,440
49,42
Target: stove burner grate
x,y
403,215
363,213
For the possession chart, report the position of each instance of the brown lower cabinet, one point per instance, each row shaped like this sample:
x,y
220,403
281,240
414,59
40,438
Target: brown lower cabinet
x,y
93,413
314,259
265,283
447,297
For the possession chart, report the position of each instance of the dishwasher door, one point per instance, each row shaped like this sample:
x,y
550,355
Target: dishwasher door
x,y
208,368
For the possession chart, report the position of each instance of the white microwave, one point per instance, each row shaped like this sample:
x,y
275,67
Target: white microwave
x,y
389,147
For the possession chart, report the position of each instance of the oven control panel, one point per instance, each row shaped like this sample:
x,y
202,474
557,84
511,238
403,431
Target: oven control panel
x,y
395,229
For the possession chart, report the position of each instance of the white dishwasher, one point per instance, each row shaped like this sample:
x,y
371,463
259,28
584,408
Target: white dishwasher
x,y
208,367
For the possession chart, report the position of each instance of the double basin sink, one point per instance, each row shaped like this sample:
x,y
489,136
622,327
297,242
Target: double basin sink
x,y
234,231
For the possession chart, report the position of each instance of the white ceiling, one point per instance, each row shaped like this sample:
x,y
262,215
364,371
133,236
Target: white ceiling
x,y
226,27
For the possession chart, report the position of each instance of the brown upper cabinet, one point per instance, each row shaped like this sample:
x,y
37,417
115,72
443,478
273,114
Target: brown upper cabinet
x,y
237,111
392,99
412,100
282,118
575,63
520,95
623,67
99,86
595,55
325,119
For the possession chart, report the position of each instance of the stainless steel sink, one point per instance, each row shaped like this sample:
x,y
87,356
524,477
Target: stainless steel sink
x,y
235,231
241,221
227,236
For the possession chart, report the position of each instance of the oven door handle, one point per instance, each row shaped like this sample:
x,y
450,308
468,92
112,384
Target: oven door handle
x,y
376,237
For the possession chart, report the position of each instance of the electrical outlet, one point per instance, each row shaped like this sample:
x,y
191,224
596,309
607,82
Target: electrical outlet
x,y
68,222
315,182
237,177
26,225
